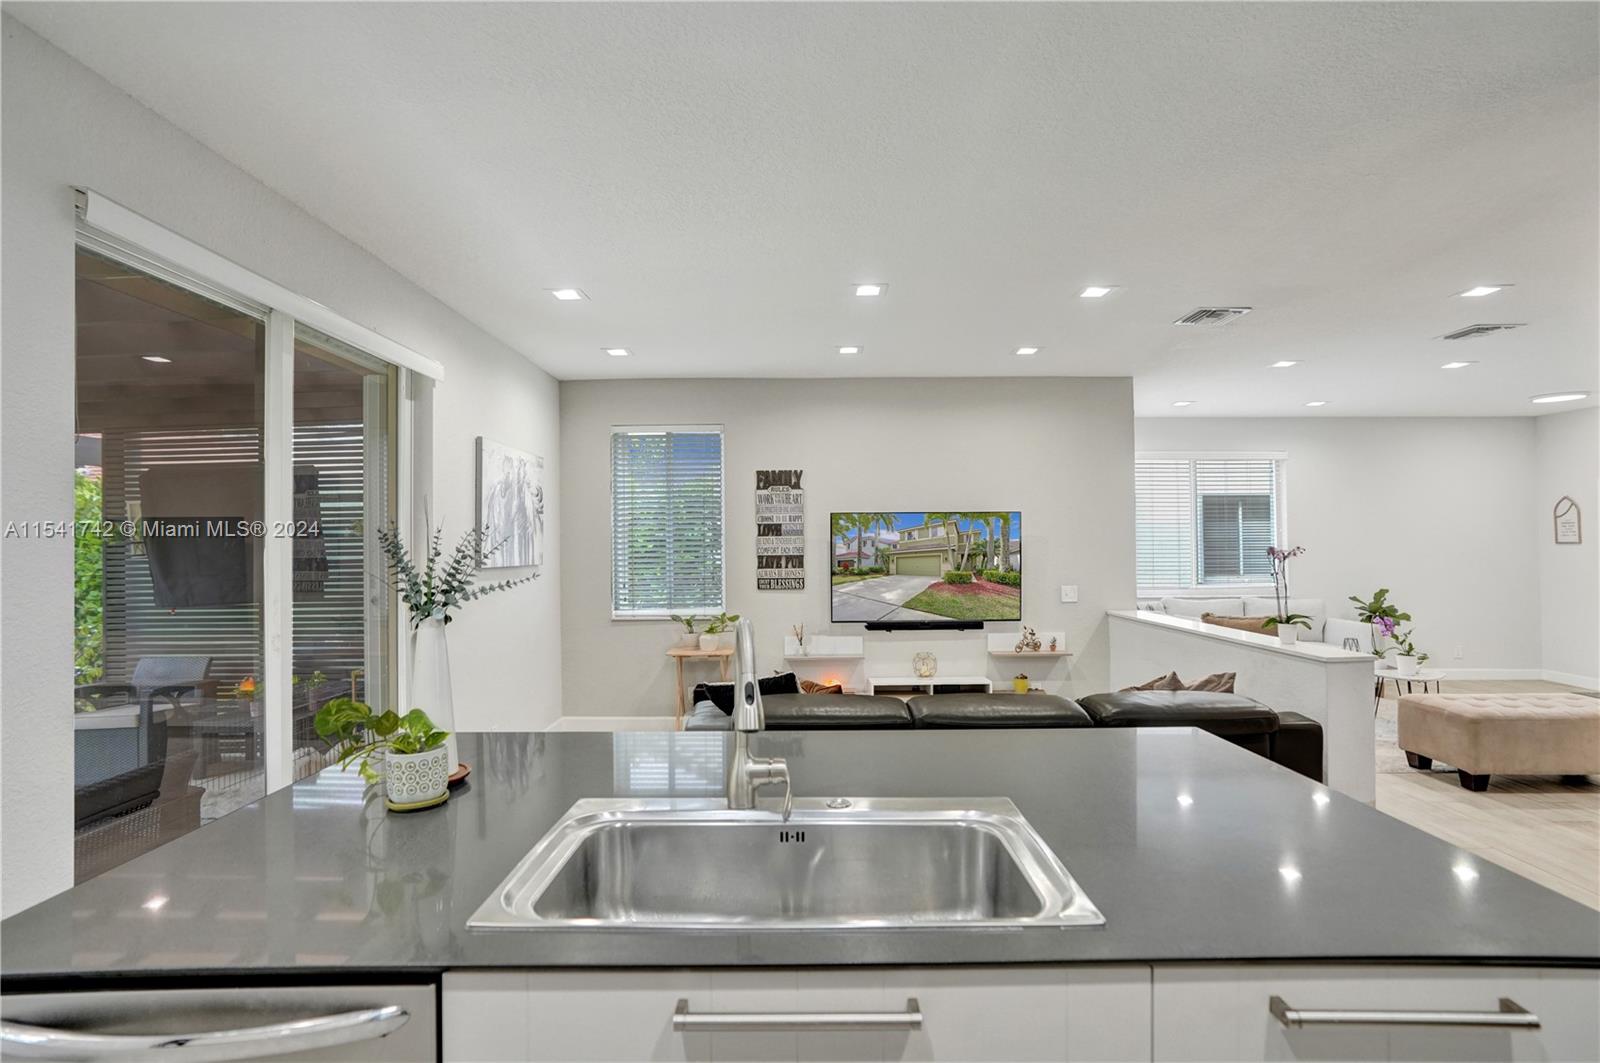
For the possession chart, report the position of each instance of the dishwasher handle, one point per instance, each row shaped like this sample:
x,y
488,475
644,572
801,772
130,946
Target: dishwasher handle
x,y
1511,1015
686,1021
23,1041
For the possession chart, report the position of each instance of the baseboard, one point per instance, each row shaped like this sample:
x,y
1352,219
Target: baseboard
x,y
1493,673
614,723
1587,682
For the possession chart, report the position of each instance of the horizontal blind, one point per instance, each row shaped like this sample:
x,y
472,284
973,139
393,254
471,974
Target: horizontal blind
x,y
666,521
1205,521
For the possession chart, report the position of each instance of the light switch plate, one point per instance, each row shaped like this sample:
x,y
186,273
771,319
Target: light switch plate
x,y
1069,592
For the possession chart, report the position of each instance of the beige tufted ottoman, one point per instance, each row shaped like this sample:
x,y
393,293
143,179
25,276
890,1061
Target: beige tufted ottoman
x,y
1505,734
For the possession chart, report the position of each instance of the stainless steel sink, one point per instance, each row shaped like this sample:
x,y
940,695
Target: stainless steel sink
x,y
837,864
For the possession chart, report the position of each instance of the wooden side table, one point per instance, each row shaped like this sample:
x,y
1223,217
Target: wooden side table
x,y
723,656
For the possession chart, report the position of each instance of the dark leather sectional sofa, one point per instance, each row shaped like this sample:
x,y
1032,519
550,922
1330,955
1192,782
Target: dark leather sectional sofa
x,y
1286,738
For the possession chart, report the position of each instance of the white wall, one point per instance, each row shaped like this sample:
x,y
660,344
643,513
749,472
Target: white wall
x,y
1436,509
65,126
1568,456
1058,450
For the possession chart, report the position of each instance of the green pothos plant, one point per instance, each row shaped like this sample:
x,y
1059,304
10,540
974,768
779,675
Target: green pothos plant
x,y
359,733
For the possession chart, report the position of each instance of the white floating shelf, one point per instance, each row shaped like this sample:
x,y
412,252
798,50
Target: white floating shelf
x,y
1004,644
825,648
1029,653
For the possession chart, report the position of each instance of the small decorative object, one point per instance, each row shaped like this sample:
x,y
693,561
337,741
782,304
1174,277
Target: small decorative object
x,y
1029,642
416,756
511,506
1052,644
1019,683
248,691
688,638
1284,622
800,638
1384,617
712,639
430,592
1569,521
925,665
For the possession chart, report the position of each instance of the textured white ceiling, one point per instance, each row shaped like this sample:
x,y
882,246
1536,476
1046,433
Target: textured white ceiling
x,y
717,176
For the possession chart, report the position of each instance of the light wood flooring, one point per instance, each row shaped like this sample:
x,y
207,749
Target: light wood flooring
x,y
1535,826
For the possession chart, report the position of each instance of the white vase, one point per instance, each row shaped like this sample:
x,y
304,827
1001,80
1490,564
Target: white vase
x,y
1287,633
1404,665
411,779
430,682
710,642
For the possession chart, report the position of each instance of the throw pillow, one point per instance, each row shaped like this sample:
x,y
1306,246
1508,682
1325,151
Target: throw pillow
x,y
1256,624
721,694
1217,683
1170,681
811,686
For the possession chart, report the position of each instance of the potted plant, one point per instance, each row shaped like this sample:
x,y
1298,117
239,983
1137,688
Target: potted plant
x,y
1406,657
688,639
417,762
1019,683
1284,622
431,589
714,629
1381,615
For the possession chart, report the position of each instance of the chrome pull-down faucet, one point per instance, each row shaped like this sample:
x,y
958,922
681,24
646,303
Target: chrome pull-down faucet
x,y
748,774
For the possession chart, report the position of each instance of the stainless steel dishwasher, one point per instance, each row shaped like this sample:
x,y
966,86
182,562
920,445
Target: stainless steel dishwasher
x,y
343,1023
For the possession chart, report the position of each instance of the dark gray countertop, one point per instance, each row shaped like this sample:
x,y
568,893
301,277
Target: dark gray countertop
x,y
315,878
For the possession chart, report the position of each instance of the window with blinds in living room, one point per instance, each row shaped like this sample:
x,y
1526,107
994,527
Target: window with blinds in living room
x,y
666,521
1206,520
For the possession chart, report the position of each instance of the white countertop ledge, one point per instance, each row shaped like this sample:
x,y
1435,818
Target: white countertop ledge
x,y
1308,651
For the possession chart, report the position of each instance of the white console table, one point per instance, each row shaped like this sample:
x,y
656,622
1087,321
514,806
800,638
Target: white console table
x,y
1331,685
926,684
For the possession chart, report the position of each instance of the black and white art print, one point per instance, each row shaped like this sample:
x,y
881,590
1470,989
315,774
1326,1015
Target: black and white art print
x,y
510,506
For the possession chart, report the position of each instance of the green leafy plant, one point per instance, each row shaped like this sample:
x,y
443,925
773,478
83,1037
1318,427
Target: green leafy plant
x,y
1405,647
954,577
88,578
720,623
361,733
1293,619
686,621
1378,607
433,586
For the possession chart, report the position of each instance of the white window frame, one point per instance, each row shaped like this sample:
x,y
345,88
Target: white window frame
x,y
108,228
611,522
1280,509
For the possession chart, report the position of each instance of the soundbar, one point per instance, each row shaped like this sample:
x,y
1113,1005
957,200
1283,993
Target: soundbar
x,y
924,625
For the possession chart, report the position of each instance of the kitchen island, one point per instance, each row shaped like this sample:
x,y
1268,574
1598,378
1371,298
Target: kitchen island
x,y
1207,862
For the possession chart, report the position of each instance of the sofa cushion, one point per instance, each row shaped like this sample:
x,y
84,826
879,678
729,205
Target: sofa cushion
x,y
834,712
1220,714
721,694
996,710
1314,608
1194,608
1217,682
1256,625
1170,681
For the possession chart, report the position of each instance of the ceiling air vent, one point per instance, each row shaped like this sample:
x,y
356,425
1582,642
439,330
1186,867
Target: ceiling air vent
x,y
1477,330
1212,315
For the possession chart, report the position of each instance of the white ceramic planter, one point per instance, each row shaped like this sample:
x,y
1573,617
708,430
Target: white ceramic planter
x,y
431,690
688,640
416,780
710,642
1287,633
1405,665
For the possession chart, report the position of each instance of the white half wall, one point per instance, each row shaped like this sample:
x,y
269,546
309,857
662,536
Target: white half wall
x,y
1059,450
1568,456
1436,509
65,126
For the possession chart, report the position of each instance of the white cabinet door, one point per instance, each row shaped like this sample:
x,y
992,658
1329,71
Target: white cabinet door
x,y
970,1014
1218,1012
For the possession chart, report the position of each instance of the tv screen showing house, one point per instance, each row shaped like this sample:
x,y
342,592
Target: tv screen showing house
x,y
921,567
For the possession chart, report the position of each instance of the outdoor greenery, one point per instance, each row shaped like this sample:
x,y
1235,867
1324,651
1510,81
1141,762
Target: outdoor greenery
x,y
964,606
363,733
956,576
434,588
88,579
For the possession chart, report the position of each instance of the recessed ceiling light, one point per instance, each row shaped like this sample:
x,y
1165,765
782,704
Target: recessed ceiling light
x,y
1318,402
1095,291
156,358
849,350
1481,290
1456,365
1027,350
566,295
1282,365
1184,402
617,352
1561,396
868,290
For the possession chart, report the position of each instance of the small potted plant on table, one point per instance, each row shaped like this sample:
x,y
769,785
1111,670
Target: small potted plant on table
x,y
1406,657
416,770
712,639
688,639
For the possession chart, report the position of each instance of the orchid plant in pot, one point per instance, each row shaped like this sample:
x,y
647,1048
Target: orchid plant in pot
x,y
1284,622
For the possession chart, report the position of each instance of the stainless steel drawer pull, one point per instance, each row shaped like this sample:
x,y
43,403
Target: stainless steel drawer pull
x,y
21,1041
1511,1014
683,1021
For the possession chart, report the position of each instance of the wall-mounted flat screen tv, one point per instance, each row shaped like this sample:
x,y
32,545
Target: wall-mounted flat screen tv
x,y
926,569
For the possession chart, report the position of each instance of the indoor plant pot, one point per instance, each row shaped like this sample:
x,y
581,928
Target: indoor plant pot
x,y
1287,633
416,780
1405,664
688,640
710,642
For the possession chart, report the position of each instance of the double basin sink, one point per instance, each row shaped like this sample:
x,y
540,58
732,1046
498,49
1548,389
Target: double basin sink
x,y
834,864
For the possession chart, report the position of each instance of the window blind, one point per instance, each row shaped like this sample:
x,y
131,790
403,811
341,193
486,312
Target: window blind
x,y
1205,521
666,521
